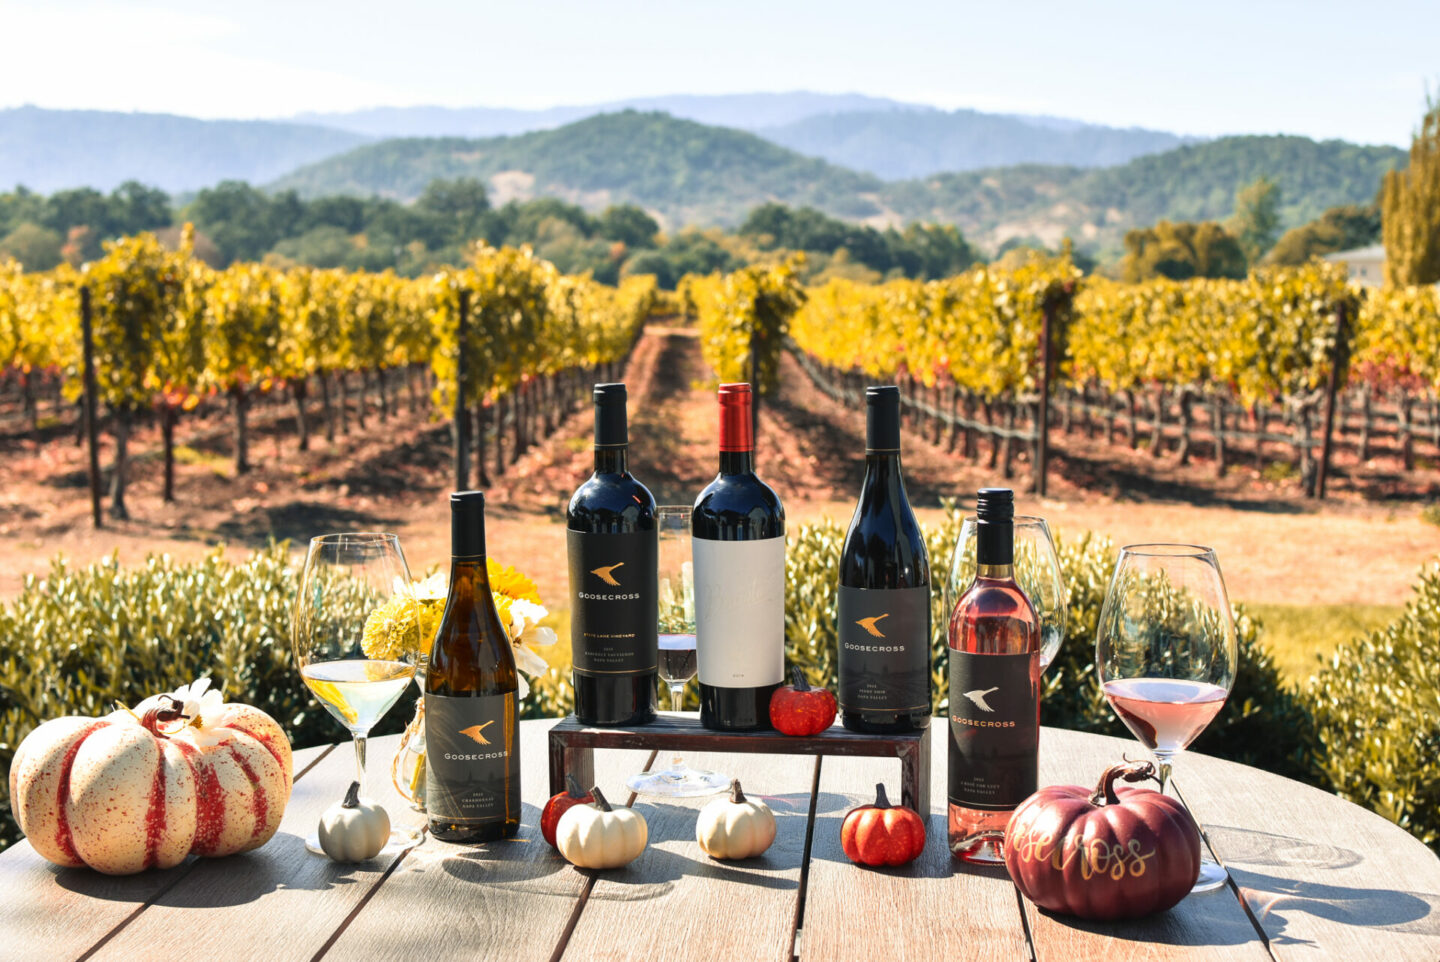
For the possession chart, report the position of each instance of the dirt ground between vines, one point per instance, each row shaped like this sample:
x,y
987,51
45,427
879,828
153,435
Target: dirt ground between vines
x,y
1275,547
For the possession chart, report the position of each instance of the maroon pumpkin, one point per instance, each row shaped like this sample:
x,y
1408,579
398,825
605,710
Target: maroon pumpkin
x,y
559,805
801,708
1107,854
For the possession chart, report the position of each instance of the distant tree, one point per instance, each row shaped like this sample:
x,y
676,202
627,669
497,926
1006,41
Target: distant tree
x,y
1257,217
1410,209
651,262
1338,229
36,248
81,207
82,245
239,218
326,246
630,225
519,223
346,213
1182,250
930,251
459,206
20,206
135,208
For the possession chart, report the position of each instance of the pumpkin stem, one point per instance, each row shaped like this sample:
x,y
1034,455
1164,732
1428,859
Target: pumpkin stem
x,y
736,795
1105,794
352,796
798,674
572,787
881,799
157,716
600,801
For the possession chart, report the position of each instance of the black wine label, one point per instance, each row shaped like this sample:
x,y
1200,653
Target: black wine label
x,y
614,596
994,730
884,649
472,756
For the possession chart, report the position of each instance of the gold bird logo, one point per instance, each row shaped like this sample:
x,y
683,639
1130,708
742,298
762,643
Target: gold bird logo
x,y
604,574
872,624
474,732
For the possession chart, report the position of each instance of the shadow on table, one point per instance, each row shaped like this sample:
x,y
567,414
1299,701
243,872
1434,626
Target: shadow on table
x,y
1272,896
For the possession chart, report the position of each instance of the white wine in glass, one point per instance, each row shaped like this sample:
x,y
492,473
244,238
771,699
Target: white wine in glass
x,y
356,637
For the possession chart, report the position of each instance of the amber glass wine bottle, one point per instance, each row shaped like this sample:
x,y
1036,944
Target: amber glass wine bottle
x,y
472,716
994,690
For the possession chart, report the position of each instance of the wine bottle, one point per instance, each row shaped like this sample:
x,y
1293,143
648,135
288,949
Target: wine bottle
x,y
994,690
614,595
739,557
472,710
883,609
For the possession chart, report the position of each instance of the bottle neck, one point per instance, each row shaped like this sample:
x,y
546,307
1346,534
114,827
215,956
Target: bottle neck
x,y
995,545
470,569
737,462
882,468
612,459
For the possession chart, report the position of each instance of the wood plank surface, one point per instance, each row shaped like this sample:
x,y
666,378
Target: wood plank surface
x,y
676,903
279,902
509,901
1326,879
1210,926
61,913
934,908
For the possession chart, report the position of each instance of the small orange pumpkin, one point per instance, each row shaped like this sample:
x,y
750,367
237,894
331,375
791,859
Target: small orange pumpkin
x,y
882,834
801,708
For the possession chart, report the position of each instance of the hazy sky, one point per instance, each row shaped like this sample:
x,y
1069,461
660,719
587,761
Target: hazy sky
x,y
1327,69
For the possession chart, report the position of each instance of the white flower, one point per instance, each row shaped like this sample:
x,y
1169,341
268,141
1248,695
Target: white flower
x,y
525,631
200,704
433,588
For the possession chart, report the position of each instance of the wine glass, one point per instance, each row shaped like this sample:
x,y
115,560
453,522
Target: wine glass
x,y
1165,651
1037,572
677,652
356,636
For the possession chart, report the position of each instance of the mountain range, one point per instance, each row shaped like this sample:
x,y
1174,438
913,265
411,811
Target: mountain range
x,y
999,177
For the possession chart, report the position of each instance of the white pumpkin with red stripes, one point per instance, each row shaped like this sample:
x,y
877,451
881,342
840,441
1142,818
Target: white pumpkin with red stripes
x,y
140,789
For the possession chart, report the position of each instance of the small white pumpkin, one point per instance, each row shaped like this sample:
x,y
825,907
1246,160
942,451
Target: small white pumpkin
x,y
355,829
735,827
598,836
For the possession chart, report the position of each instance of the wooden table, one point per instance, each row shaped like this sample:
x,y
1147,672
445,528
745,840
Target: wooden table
x,y
1314,878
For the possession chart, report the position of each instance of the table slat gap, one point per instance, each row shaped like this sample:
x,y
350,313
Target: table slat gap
x,y
796,928
314,761
364,901
584,898
180,877
1025,925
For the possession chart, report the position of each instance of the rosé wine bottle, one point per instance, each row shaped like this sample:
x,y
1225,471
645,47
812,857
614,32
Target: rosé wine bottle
x,y
994,690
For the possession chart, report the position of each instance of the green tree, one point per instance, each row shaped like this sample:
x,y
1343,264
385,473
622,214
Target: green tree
x,y
1338,229
630,225
1181,250
36,247
458,207
1410,209
1257,217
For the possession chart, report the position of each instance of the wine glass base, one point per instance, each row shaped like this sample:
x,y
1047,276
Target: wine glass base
x,y
1212,877
678,783
400,841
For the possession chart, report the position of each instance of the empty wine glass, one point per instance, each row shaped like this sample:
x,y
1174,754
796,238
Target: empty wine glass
x,y
356,636
1165,651
677,652
1037,572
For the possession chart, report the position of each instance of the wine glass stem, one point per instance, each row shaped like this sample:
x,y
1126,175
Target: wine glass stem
x,y
677,696
359,757
1165,764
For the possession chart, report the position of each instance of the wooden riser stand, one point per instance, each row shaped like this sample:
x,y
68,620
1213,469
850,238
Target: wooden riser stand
x,y
572,747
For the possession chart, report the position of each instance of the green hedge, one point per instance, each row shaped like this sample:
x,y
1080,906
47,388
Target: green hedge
x,y
80,639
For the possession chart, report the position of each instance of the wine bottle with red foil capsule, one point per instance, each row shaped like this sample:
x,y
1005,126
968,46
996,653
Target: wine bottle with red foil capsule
x,y
739,561
994,690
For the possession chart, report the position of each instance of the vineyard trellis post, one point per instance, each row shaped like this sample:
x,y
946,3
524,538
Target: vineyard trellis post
x,y
1042,427
462,413
1337,361
754,384
87,342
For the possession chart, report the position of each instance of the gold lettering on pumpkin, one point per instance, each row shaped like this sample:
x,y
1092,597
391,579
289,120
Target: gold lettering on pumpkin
x,y
1095,856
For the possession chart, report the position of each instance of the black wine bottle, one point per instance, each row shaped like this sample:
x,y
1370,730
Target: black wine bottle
x,y
739,557
614,596
883,610
472,710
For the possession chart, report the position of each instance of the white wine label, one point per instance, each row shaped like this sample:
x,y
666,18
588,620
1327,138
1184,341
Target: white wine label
x,y
613,602
472,756
994,729
884,649
740,612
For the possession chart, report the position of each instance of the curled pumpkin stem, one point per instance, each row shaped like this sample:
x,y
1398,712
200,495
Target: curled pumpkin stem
x,y
600,800
736,795
881,799
157,716
1105,794
798,674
